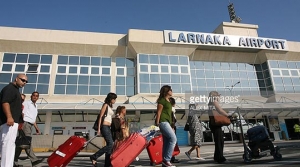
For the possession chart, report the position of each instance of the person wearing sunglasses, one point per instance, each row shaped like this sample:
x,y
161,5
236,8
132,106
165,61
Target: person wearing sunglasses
x,y
10,113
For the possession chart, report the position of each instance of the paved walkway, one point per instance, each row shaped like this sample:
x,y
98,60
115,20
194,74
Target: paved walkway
x,y
230,150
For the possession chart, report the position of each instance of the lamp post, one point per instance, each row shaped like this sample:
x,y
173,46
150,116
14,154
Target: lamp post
x,y
231,87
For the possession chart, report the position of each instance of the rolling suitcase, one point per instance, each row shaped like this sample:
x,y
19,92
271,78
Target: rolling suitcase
x,y
154,150
62,156
258,134
124,155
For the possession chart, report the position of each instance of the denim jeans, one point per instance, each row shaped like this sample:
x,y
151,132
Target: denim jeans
x,y
169,140
106,133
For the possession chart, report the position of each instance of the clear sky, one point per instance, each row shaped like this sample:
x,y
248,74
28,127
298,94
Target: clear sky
x,y
275,18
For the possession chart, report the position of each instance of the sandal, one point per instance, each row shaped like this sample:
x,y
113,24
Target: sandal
x,y
94,162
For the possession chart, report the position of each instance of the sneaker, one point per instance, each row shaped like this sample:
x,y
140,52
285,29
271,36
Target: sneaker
x,y
167,164
200,158
188,155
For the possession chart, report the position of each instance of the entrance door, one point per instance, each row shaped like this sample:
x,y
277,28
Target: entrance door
x,y
290,127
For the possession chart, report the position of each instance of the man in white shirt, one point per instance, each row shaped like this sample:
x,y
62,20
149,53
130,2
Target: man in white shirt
x,y
29,114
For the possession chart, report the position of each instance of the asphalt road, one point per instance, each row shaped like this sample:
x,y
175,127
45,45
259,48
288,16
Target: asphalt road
x,y
233,153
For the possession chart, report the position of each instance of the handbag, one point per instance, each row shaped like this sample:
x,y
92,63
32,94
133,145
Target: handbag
x,y
219,119
186,127
95,127
22,140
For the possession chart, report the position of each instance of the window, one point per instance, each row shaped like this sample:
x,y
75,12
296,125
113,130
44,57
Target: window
x,y
83,75
120,71
37,68
157,70
154,68
287,80
32,68
125,80
7,67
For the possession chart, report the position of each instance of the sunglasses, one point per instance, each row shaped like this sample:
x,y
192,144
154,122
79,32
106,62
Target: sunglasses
x,y
23,80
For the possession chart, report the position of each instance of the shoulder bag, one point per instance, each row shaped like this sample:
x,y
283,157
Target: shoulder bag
x,y
186,127
22,140
219,119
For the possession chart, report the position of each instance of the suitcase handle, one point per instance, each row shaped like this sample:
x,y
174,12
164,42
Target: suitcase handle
x,y
87,142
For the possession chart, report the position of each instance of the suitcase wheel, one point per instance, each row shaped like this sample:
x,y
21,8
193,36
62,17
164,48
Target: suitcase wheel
x,y
152,164
277,157
247,158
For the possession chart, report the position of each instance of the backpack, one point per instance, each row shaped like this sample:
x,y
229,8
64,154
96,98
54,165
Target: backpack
x,y
115,128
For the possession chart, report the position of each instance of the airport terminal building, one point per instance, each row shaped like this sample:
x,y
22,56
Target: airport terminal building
x,y
73,72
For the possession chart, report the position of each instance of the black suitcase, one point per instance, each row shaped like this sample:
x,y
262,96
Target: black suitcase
x,y
258,134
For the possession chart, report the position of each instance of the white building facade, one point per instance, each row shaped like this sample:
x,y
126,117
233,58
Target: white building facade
x,y
73,72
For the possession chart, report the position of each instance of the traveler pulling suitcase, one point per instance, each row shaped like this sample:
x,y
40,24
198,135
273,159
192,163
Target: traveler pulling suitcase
x,y
125,154
67,151
154,150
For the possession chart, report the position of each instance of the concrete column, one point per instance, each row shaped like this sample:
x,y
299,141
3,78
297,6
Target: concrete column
x,y
113,75
276,136
138,113
47,122
53,75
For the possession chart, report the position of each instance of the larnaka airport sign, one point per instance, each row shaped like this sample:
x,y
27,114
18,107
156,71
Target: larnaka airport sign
x,y
209,39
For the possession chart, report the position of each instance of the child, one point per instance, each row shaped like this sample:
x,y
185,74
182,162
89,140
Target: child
x,y
123,133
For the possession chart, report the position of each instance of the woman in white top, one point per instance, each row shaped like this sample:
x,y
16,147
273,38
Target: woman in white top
x,y
104,129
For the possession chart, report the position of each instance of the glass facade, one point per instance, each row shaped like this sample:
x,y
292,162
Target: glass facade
x,y
285,75
36,67
264,79
83,75
155,71
230,78
88,75
125,76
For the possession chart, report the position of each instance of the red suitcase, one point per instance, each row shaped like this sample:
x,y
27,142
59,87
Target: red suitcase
x,y
67,151
125,154
154,150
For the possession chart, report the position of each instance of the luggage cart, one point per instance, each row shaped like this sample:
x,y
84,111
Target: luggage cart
x,y
256,150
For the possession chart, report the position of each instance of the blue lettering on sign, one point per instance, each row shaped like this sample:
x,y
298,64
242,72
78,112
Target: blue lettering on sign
x,y
260,42
226,41
170,37
181,37
200,38
253,42
275,44
217,39
211,39
248,42
282,44
268,43
242,42
191,37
